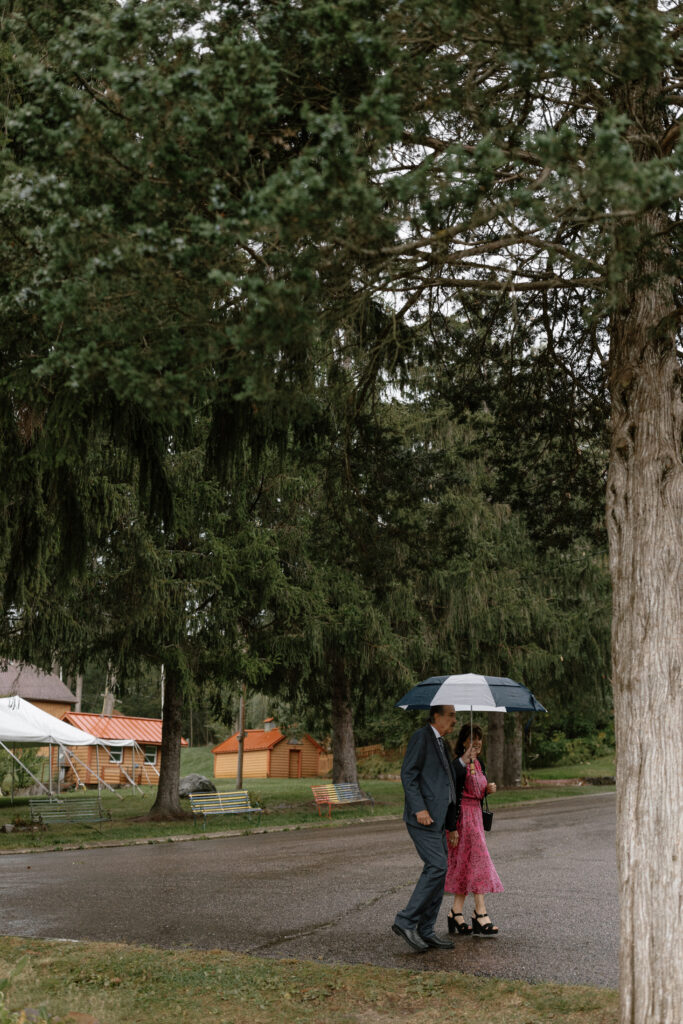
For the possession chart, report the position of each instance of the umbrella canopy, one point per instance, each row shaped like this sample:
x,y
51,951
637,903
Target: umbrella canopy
x,y
470,692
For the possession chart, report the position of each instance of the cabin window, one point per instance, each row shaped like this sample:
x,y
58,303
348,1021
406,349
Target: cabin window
x,y
116,755
150,755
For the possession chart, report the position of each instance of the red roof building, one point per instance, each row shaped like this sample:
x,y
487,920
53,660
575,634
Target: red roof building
x,y
268,754
119,766
119,727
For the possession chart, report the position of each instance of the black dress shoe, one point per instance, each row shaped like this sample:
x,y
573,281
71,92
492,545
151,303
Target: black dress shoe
x,y
436,943
412,937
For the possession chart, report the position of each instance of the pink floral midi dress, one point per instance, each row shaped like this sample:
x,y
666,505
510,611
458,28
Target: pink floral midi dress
x,y
470,868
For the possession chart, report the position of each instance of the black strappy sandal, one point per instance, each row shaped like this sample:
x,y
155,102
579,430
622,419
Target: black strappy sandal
x,y
485,930
453,925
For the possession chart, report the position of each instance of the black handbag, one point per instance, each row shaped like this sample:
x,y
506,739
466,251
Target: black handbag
x,y
487,815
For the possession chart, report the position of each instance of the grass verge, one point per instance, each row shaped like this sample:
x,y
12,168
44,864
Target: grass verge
x,y
119,984
286,802
599,767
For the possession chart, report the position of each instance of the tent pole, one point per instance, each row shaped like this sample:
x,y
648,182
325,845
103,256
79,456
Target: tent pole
x,y
146,767
99,780
21,765
12,788
132,781
73,767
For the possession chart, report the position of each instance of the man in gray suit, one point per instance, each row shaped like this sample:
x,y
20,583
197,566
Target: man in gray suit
x,y
430,791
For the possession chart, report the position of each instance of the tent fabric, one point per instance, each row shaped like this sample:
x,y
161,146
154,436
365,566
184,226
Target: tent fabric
x,y
23,724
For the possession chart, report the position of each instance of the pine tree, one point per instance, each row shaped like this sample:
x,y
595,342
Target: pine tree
x,y
420,151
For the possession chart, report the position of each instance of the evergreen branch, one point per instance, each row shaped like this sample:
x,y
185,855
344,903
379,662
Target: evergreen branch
x,y
509,240
442,146
99,97
510,286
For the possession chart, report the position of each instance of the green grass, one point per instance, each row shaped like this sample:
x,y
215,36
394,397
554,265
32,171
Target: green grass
x,y
137,985
599,767
286,802
196,759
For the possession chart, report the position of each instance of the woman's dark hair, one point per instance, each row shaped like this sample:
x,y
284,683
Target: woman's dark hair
x,y
463,737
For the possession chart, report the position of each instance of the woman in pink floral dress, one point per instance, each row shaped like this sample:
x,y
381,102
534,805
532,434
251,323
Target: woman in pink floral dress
x,y
470,868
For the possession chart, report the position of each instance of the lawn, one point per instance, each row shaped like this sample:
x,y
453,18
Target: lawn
x,y
285,802
599,767
137,985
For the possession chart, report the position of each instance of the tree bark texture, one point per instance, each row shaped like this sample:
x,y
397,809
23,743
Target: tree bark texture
x,y
344,768
645,527
514,748
495,747
167,803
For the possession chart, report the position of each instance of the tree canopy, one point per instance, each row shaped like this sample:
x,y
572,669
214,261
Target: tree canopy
x,y
198,199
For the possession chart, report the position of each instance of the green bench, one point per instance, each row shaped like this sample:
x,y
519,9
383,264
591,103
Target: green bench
x,y
77,810
335,794
237,802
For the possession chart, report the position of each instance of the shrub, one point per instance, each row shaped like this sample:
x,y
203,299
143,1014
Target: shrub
x,y
22,778
557,749
376,767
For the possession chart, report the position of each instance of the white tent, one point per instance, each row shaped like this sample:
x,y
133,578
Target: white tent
x,y
24,725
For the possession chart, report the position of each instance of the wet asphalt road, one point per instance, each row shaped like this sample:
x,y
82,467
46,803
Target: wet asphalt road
x,y
331,894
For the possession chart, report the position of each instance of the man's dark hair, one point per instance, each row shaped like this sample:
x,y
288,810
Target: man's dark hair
x,y
436,709
463,737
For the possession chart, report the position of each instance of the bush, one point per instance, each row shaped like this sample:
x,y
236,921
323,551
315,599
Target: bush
x,y
22,778
376,767
547,751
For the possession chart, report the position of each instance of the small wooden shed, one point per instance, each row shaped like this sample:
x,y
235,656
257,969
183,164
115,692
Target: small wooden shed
x,y
268,754
119,765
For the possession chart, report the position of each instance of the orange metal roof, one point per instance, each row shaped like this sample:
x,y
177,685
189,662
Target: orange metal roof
x,y
255,739
119,727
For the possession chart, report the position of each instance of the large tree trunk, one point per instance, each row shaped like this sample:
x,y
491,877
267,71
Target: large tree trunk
x,y
344,767
514,749
645,526
167,803
495,747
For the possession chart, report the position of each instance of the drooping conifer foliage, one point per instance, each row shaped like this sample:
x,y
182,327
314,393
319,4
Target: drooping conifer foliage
x,y
198,199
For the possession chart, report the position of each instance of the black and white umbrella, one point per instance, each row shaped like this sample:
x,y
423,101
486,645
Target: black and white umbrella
x,y
471,692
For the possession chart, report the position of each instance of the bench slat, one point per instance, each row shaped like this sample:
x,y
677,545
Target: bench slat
x,y
337,793
236,802
76,810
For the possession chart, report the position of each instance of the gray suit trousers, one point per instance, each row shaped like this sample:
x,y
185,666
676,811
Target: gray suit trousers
x,y
425,903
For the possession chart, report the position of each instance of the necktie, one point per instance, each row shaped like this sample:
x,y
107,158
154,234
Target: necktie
x,y
449,773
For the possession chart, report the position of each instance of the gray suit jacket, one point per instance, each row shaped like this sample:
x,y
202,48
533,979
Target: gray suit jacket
x,y
425,782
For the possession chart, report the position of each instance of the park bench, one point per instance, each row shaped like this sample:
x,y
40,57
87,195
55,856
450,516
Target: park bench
x,y
77,810
339,793
221,803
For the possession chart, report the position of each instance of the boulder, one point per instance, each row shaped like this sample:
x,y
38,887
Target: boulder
x,y
195,784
